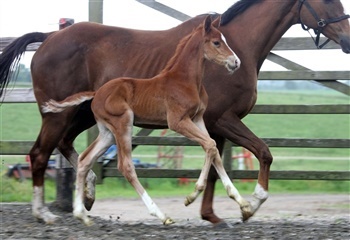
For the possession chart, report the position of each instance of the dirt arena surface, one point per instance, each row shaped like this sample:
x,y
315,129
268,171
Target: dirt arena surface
x,y
321,216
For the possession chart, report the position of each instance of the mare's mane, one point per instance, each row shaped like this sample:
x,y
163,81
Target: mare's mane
x,y
179,48
236,9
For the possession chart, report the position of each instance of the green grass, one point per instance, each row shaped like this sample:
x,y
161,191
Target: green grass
x,y
22,122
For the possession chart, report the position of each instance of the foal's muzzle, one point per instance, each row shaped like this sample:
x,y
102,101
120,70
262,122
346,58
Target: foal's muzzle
x,y
232,63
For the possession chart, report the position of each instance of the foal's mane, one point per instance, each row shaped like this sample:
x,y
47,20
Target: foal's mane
x,y
236,9
179,48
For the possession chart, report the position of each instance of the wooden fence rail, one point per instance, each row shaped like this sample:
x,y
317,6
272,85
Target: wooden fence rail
x,y
295,72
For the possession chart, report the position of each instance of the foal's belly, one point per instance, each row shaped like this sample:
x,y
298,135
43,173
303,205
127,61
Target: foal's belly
x,y
150,123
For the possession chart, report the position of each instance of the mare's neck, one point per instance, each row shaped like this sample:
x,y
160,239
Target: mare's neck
x,y
188,62
256,31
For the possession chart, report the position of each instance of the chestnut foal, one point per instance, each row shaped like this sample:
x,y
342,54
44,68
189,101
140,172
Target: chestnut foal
x,y
175,98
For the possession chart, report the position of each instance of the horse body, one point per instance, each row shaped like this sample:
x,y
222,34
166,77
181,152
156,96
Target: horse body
x,y
173,98
101,53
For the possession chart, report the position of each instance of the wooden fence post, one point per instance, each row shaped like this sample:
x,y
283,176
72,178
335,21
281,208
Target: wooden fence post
x,y
65,174
95,15
227,156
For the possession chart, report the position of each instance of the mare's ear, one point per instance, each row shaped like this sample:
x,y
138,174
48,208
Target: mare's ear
x,y
207,24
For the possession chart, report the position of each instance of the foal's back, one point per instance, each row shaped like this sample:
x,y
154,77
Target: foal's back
x,y
145,98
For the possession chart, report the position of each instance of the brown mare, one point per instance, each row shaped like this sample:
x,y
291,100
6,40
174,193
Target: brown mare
x,y
86,55
174,98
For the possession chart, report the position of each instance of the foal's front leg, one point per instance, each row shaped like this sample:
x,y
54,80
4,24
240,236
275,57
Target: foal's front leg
x,y
196,131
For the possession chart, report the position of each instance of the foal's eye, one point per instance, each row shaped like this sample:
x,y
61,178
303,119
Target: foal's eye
x,y
216,43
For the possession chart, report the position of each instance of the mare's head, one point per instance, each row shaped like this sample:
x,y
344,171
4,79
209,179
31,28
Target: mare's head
x,y
328,18
216,48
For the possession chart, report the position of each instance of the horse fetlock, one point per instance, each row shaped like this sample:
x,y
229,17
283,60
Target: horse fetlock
x,y
258,200
82,216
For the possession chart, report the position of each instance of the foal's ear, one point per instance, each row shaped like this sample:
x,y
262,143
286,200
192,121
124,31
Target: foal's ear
x,y
207,24
216,22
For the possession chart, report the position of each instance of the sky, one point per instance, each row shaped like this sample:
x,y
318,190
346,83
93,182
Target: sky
x,y
18,17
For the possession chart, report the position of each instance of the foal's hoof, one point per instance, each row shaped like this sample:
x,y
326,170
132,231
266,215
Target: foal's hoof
x,y
88,202
86,220
168,221
246,210
188,201
190,198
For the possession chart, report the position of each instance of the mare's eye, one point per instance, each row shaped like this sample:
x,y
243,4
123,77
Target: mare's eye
x,y
216,43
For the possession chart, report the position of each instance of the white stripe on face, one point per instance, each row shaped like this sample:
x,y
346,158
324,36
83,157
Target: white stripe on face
x,y
224,40
233,53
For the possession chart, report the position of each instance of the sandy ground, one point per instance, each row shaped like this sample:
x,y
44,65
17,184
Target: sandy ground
x,y
276,206
311,217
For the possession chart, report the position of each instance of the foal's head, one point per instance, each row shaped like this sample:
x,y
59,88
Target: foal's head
x,y
216,48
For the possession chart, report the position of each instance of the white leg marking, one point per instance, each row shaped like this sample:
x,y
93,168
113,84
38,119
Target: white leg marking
x,y
39,210
103,141
152,207
259,197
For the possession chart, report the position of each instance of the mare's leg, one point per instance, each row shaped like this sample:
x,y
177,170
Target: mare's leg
x,y
207,212
82,120
51,132
122,129
232,128
85,162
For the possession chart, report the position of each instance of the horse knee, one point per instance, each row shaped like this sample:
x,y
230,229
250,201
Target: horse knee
x,y
211,149
38,163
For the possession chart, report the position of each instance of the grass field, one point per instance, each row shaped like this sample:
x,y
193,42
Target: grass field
x,y
22,122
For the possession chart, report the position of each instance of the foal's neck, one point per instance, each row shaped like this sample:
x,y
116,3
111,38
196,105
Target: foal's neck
x,y
188,60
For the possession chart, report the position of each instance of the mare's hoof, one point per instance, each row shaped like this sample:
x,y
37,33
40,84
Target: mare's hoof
x,y
221,225
168,221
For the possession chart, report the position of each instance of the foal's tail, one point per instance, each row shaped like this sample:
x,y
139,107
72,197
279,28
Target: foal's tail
x,y
71,101
9,59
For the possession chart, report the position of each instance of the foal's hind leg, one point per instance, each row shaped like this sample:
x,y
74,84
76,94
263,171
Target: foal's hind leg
x,y
85,162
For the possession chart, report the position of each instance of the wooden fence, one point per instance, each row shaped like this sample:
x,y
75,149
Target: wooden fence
x,y
298,72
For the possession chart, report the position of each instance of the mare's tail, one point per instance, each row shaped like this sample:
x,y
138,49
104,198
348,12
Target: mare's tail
x,y
9,59
71,101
